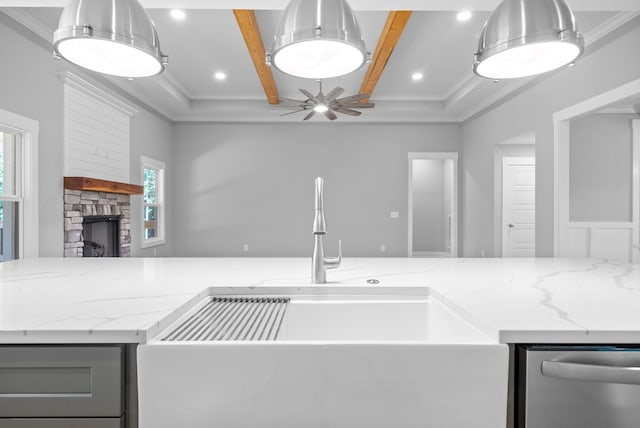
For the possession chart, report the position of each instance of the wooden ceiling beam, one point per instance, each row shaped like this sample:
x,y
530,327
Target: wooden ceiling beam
x,y
251,34
393,28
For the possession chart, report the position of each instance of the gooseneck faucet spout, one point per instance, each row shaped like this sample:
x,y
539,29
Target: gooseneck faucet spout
x,y
319,262
319,224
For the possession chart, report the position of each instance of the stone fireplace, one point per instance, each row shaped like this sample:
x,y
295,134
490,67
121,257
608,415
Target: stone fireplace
x,y
91,206
79,204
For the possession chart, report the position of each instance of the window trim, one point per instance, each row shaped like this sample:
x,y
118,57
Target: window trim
x,y
29,228
146,162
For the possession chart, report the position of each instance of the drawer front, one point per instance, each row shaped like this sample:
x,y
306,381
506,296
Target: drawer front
x,y
64,381
62,423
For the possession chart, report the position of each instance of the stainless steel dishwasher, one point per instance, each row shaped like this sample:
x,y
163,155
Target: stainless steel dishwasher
x,y
578,386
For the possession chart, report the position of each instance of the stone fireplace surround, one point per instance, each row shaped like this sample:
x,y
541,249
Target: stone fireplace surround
x,y
79,204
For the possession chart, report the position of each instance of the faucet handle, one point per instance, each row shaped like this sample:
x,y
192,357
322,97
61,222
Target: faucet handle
x,y
334,262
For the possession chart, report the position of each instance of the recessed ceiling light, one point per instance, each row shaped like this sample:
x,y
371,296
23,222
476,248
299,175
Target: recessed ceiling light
x,y
464,15
219,75
178,14
417,76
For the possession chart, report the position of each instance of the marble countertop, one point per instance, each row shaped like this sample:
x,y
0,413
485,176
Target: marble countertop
x,y
125,300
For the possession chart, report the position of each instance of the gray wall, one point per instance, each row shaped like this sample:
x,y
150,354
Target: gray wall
x,y
29,86
252,184
600,158
151,137
531,110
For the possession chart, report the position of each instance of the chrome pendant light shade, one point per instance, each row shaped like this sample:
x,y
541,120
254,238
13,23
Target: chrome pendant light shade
x,y
114,37
317,39
527,37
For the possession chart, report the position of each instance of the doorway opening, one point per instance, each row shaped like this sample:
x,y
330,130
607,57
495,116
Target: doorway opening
x,y
597,200
433,205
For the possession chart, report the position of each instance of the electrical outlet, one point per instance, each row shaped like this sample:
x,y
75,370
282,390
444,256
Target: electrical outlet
x,y
481,253
394,214
245,247
383,248
155,252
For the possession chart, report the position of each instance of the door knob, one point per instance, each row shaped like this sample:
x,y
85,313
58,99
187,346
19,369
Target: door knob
x,y
510,225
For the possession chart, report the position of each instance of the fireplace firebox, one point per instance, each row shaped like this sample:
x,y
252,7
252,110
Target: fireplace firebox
x,y
100,235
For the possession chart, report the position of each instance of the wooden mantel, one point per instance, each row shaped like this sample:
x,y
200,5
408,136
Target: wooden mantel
x,y
96,185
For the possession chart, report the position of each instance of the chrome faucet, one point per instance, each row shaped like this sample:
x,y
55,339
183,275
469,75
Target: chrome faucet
x,y
319,263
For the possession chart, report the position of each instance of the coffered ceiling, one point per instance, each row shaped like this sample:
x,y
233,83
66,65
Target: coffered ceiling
x,y
210,39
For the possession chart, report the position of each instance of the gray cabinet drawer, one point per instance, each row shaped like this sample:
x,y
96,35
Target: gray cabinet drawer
x,y
61,381
62,423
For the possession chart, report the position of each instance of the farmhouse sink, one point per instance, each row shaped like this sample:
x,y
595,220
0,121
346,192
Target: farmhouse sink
x,y
376,318
322,357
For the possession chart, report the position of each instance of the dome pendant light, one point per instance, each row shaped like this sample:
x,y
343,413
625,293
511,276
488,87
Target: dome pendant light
x,y
318,39
114,37
527,37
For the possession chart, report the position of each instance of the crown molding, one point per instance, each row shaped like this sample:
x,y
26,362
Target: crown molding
x,y
171,79
629,109
465,87
29,22
167,84
89,89
608,26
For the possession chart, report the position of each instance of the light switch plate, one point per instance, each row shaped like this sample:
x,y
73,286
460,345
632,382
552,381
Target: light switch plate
x,y
395,214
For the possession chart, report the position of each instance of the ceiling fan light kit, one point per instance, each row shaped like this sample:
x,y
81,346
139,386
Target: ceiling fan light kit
x,y
114,37
317,39
527,37
330,103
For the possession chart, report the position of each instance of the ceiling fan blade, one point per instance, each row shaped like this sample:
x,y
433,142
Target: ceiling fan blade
x,y
356,105
310,115
291,99
295,111
330,115
348,111
352,98
309,95
334,93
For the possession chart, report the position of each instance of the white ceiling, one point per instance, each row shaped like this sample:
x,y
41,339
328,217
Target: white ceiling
x,y
433,43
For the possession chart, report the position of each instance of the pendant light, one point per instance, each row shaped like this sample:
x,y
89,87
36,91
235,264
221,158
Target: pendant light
x,y
114,37
527,37
318,39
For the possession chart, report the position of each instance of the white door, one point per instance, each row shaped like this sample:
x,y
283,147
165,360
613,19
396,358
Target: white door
x,y
518,207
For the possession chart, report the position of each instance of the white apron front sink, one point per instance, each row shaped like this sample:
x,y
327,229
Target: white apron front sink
x,y
332,358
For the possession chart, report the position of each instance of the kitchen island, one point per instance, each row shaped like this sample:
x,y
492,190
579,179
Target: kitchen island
x,y
126,302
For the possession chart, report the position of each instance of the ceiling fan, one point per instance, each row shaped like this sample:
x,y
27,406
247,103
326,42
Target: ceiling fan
x,y
330,103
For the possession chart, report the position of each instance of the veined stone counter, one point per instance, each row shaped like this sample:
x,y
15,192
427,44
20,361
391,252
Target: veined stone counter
x,y
127,300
